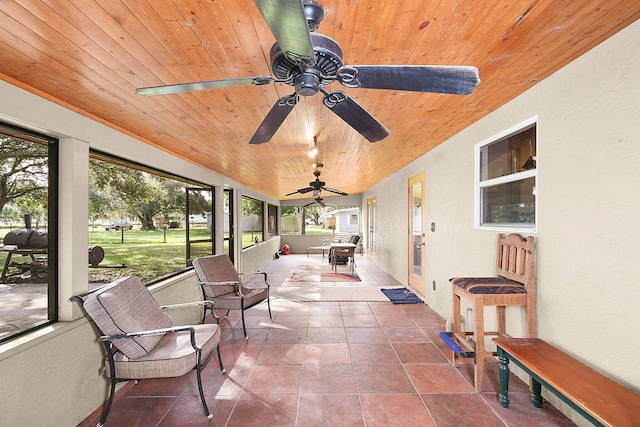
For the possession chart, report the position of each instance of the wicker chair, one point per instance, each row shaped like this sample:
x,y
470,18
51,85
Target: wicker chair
x,y
140,340
221,284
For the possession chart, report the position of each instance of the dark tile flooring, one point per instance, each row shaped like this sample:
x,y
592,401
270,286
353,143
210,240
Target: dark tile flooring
x,y
331,364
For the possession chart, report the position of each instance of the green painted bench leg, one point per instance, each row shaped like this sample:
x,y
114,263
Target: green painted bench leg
x,y
536,389
503,398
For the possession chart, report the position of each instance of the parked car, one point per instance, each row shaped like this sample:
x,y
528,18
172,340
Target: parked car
x,y
118,225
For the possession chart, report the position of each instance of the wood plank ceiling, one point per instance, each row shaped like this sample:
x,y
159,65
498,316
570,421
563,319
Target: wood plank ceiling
x,y
90,56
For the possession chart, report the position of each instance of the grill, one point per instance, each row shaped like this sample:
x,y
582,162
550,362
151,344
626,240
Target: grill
x,y
27,238
26,242
32,242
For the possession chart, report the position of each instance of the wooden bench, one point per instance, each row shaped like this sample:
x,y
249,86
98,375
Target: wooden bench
x,y
599,399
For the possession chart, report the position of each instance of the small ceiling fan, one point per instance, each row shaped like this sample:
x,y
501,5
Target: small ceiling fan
x,y
317,186
319,201
308,61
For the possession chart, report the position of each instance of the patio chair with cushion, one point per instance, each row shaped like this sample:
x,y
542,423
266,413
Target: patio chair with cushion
x,y
221,284
140,340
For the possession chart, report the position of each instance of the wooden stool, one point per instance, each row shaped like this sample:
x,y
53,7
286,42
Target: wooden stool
x,y
514,285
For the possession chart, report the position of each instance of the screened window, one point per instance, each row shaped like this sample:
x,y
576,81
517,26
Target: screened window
x,y
252,221
144,222
506,176
227,201
272,220
317,219
28,228
200,224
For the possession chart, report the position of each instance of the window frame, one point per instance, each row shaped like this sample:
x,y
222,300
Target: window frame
x,y
212,233
262,232
480,185
53,290
102,156
276,231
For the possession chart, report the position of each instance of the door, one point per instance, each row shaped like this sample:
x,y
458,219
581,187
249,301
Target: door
x,y
371,223
416,233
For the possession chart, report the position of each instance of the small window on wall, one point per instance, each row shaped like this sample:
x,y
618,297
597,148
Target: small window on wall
x,y
506,174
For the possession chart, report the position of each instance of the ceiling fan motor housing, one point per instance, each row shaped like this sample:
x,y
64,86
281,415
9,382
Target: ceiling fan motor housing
x,y
328,61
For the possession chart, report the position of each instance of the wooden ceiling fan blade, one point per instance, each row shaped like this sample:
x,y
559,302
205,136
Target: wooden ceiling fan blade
x,y
205,85
287,21
456,80
356,116
332,190
274,119
300,191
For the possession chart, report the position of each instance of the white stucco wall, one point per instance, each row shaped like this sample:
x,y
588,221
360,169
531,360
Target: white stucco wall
x,y
588,202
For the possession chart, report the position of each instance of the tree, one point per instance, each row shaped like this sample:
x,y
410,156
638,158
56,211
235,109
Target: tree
x,y
199,201
252,213
123,191
315,213
24,173
290,210
251,207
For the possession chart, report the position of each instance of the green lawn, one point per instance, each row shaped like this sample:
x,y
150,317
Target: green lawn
x,y
148,254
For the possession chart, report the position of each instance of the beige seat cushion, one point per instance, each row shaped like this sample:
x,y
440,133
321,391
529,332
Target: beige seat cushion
x,y
172,357
233,302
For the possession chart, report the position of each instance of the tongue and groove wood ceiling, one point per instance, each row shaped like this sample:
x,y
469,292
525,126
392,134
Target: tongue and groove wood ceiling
x,y
90,56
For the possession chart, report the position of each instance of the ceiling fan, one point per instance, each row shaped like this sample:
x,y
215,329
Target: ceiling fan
x,y
319,201
317,186
308,61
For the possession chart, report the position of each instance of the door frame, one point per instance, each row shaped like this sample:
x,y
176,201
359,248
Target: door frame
x,y
416,281
210,239
230,238
372,206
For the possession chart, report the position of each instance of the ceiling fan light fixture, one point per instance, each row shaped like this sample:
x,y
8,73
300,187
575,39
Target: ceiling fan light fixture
x,y
313,152
306,84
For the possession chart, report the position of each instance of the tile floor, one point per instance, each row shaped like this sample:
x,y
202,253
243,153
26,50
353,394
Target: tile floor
x,y
331,364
